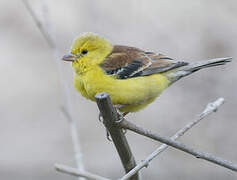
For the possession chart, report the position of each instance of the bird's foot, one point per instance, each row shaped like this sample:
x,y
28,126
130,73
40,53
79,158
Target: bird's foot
x,y
120,119
121,116
124,131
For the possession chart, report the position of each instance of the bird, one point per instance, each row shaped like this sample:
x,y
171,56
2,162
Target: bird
x,y
131,76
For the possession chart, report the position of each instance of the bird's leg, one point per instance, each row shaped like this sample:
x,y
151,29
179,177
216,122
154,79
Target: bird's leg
x,y
124,131
121,114
121,118
125,113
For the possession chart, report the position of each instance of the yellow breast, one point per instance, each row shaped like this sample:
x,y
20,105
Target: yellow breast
x,y
135,92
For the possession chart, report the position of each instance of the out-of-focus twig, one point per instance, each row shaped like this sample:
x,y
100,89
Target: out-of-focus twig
x,y
211,107
75,140
49,37
39,24
75,172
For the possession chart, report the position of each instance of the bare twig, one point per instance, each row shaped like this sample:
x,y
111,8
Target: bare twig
x,y
39,24
49,37
211,107
178,145
110,116
75,172
75,140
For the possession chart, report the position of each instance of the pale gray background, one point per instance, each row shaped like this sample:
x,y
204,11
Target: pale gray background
x,y
34,134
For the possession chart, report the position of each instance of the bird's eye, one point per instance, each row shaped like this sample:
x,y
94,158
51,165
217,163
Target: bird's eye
x,y
84,51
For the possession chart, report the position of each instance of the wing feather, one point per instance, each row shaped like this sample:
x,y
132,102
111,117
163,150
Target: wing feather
x,y
127,62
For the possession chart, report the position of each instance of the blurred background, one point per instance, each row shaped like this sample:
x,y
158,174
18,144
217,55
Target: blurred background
x,y
33,132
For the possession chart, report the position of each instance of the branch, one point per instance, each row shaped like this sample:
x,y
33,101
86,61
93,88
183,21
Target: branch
x,y
178,145
110,116
76,172
39,24
211,107
75,140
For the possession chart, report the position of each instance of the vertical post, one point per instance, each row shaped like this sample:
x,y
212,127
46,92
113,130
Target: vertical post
x,y
110,116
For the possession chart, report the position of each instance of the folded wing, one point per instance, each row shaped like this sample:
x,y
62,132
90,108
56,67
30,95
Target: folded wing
x,y
128,62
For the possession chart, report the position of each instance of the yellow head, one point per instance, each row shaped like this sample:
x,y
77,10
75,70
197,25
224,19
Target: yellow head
x,y
87,51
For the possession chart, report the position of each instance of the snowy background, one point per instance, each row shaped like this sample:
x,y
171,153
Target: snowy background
x,y
33,132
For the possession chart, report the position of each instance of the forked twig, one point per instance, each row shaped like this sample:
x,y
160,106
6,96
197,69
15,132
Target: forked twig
x,y
178,145
211,107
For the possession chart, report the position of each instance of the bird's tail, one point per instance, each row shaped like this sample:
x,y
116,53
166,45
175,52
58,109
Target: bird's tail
x,y
192,67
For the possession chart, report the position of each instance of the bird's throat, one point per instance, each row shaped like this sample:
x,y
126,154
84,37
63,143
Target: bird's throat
x,y
80,67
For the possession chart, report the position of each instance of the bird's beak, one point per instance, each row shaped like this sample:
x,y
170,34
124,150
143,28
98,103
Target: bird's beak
x,y
69,57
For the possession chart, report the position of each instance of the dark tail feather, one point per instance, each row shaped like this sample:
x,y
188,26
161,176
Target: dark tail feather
x,y
195,66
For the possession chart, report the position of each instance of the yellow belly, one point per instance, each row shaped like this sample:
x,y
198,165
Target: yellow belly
x,y
135,92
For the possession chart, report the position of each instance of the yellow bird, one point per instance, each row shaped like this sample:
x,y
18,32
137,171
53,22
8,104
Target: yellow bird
x,y
133,77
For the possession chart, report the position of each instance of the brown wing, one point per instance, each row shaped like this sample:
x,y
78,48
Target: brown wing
x,y
127,62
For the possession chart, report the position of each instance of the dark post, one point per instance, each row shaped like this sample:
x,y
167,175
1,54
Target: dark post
x,y
110,116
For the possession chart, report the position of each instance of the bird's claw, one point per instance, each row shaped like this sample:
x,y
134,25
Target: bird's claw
x,y
120,119
124,131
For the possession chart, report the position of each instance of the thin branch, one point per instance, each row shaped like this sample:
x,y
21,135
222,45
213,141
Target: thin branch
x,y
75,172
49,37
75,140
39,24
178,145
110,116
211,107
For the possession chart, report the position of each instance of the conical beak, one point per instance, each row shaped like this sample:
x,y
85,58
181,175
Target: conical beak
x,y
69,57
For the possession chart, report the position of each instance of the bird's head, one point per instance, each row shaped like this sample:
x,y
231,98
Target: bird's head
x,y
88,50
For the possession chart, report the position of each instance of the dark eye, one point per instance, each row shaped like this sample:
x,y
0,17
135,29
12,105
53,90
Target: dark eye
x,y
84,51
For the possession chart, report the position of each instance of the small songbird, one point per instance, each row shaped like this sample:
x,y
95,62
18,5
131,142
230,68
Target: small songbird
x,y
133,77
